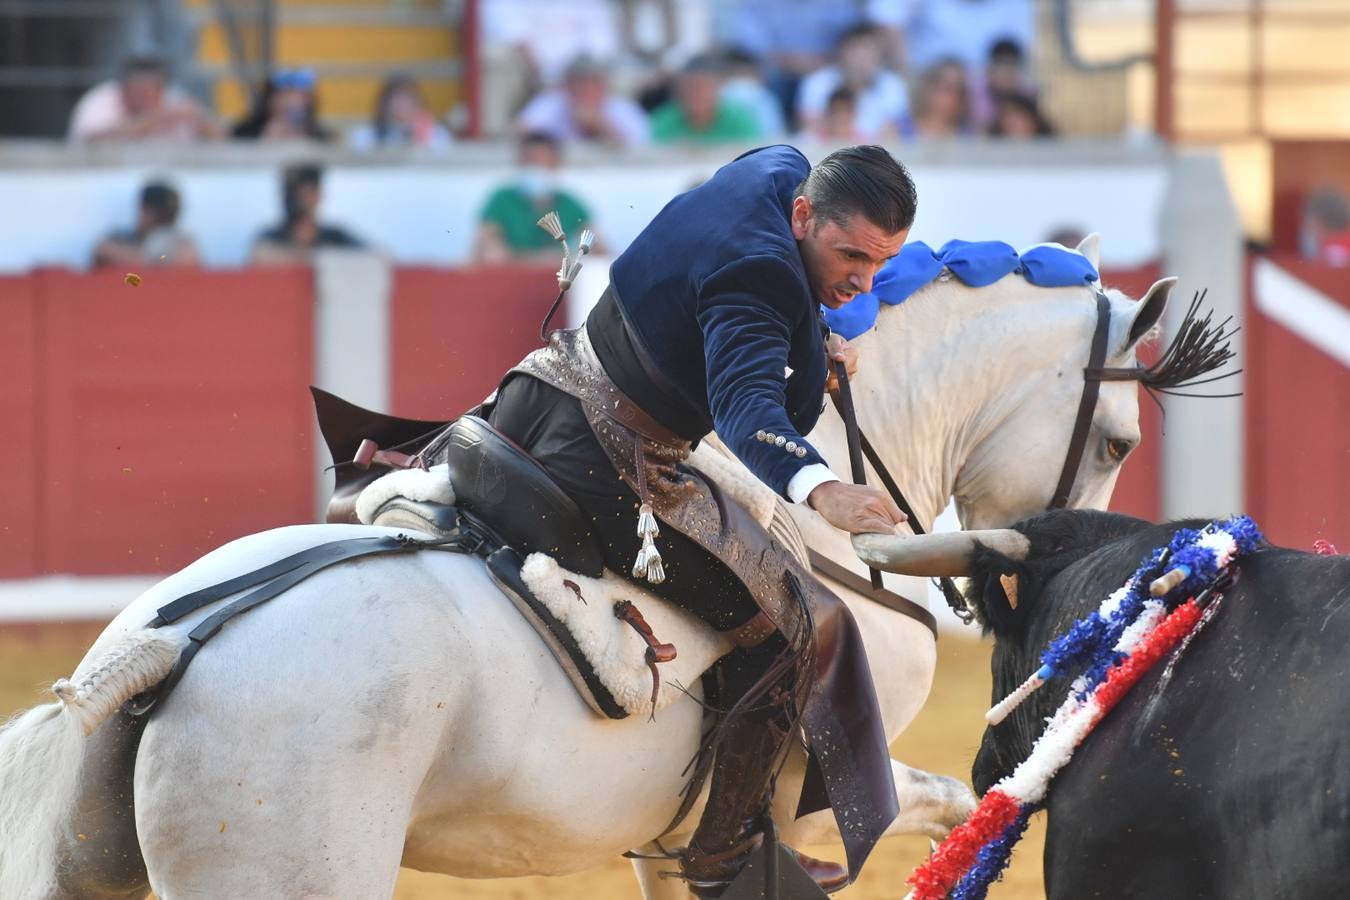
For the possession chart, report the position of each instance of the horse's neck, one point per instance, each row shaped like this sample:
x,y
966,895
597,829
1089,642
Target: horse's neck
x,y
932,382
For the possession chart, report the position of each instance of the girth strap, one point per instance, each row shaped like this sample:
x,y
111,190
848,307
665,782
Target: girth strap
x,y
270,580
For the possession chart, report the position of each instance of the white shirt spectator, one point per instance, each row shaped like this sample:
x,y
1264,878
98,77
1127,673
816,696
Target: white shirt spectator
x,y
101,109
884,103
961,29
553,32
551,113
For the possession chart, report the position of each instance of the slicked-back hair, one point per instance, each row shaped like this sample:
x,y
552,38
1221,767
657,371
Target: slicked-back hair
x,y
866,180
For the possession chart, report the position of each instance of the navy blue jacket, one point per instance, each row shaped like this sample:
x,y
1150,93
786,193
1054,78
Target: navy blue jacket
x,y
715,292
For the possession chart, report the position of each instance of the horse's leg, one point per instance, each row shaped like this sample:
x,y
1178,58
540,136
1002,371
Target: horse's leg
x,y
102,860
655,887
930,805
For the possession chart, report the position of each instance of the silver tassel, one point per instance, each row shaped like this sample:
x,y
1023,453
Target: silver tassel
x,y
649,564
647,522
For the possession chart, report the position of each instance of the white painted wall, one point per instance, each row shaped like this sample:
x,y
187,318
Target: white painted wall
x,y
427,215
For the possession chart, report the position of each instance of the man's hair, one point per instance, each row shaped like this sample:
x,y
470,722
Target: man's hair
x,y
865,180
142,65
539,139
1329,208
161,200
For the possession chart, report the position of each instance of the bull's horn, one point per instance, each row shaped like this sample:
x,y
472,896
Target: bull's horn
x,y
936,555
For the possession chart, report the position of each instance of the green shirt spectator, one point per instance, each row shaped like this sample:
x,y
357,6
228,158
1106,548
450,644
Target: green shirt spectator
x,y
699,114
730,123
514,213
508,229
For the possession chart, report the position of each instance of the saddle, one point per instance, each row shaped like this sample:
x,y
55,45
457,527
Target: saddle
x,y
496,501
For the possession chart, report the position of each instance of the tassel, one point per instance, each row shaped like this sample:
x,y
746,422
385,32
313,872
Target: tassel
x,y
649,564
647,527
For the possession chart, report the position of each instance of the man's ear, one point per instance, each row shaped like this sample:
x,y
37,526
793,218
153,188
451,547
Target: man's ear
x,y
802,215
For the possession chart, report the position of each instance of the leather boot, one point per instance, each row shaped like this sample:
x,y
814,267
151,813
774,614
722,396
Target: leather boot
x,y
727,834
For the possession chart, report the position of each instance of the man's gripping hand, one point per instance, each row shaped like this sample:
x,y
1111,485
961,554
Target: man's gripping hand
x,y
839,350
856,508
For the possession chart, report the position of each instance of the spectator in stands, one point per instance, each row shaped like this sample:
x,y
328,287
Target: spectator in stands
x,y
793,38
155,239
839,125
880,97
699,114
1325,235
941,103
1005,72
140,105
287,109
507,228
401,120
964,30
1019,116
584,109
744,85
1067,235
300,232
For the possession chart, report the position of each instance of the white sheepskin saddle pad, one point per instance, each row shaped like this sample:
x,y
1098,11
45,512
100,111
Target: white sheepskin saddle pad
x,y
612,646
583,607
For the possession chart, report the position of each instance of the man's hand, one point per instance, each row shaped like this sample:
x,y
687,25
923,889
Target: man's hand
x,y
839,350
856,508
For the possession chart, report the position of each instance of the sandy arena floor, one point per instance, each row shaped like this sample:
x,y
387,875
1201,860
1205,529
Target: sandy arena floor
x,y
943,739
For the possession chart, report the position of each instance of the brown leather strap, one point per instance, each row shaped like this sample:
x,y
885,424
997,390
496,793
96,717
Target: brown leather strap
x,y
1087,405
889,599
752,633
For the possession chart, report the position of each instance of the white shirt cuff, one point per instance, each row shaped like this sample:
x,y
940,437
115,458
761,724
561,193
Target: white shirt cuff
x,y
807,479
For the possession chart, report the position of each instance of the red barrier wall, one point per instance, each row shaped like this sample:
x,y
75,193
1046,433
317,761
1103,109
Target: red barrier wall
x,y
172,416
20,408
1298,423
456,332
1139,487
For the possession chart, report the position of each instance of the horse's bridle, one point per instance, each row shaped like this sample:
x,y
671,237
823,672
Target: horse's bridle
x,y
1093,376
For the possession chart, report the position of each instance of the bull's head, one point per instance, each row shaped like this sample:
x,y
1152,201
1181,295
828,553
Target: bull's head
x,y
1026,585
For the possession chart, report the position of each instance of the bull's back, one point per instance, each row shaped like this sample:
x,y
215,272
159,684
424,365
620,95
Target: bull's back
x,y
1233,780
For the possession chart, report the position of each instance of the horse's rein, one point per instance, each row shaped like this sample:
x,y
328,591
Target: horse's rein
x,y
859,446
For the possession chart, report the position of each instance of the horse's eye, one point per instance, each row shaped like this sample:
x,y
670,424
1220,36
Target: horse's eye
x,y
1119,448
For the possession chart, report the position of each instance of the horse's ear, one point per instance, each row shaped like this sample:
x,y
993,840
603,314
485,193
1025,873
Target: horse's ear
x,y
1090,247
1148,312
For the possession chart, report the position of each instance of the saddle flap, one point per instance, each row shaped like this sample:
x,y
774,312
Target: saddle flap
x,y
504,487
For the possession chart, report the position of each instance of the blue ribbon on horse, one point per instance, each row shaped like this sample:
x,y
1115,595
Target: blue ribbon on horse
x,y
973,263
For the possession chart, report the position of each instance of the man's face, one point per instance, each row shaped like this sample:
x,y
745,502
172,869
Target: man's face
x,y
698,97
142,92
841,260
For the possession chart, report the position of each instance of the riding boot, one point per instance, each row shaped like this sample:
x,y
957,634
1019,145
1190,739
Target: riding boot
x,y
728,832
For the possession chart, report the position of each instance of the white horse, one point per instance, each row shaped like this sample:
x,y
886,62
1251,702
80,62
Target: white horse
x,y
399,711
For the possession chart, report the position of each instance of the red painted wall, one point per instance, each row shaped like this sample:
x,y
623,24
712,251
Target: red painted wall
x,y
456,332
173,416
21,404
1298,424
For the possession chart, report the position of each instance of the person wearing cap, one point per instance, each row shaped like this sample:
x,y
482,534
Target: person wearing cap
x,y
287,108
584,109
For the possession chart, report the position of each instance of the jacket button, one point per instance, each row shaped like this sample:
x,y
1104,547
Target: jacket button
x,y
760,435
790,446
779,441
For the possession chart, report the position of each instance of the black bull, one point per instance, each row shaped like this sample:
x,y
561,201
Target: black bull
x,y
1234,780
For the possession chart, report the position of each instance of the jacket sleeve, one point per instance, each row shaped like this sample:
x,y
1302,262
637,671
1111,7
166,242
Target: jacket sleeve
x,y
746,313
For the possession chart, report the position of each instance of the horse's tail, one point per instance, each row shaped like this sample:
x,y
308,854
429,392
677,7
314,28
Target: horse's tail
x,y
42,753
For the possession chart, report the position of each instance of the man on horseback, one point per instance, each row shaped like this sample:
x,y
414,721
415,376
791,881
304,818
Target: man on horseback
x,y
712,322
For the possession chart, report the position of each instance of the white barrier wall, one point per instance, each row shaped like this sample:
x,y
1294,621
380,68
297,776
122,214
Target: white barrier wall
x,y
57,204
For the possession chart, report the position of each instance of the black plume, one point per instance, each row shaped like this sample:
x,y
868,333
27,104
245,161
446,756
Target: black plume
x,y
1199,348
